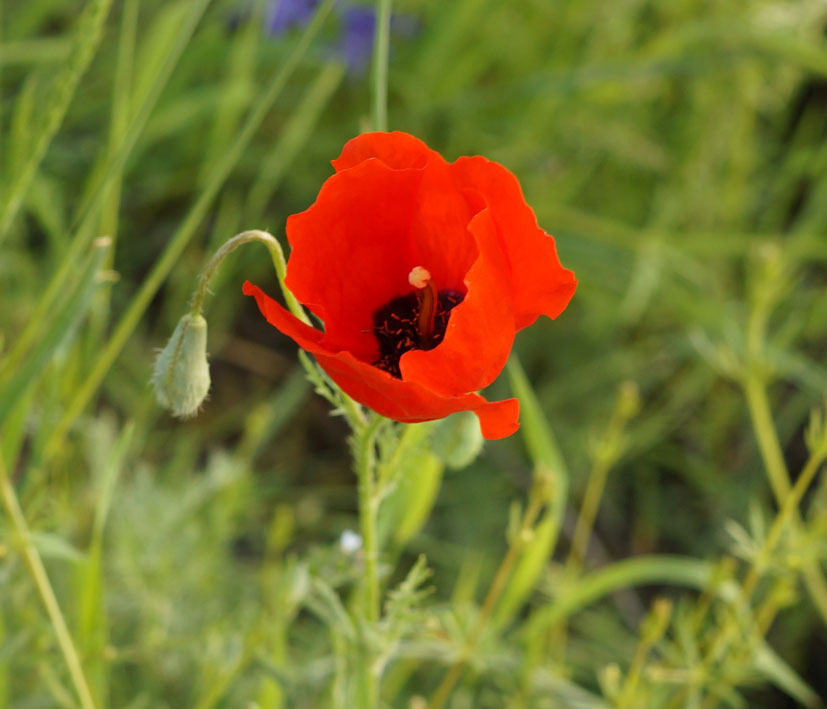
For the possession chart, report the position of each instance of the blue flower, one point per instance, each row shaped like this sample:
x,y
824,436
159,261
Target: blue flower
x,y
356,30
356,42
286,14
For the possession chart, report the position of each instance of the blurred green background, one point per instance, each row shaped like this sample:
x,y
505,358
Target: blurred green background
x,y
677,151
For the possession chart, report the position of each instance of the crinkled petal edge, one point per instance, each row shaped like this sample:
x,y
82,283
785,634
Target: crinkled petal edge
x,y
408,402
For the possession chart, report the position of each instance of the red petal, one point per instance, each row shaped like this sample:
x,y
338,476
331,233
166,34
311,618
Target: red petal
x,y
481,329
353,251
308,338
403,401
399,151
440,233
410,402
370,225
540,284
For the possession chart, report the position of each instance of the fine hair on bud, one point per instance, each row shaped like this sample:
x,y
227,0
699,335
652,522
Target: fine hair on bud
x,y
181,377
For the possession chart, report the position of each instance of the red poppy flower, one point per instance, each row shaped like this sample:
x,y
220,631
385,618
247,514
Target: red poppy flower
x,y
422,271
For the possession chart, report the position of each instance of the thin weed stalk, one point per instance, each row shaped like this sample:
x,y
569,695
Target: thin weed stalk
x,y
44,589
755,389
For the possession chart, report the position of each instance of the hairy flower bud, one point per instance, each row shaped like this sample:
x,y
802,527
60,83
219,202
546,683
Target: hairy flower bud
x,y
457,440
181,376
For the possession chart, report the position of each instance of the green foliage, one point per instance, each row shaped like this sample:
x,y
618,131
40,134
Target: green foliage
x,y
654,537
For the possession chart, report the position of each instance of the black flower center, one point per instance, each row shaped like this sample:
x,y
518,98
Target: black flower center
x,y
398,327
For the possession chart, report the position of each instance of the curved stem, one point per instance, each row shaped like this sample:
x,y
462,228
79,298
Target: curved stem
x,y
352,410
44,589
279,263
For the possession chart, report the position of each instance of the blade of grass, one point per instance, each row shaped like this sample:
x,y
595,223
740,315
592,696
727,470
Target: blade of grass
x,y
21,122
118,124
44,588
119,116
643,570
4,666
292,138
379,83
539,437
240,78
779,672
61,326
93,631
88,211
87,37
40,50
787,46
182,236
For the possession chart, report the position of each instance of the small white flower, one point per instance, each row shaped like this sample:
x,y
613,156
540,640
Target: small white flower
x,y
350,542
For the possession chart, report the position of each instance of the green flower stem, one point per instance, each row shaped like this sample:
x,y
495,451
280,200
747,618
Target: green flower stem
x,y
411,439
352,410
277,255
535,507
364,445
381,47
44,588
368,507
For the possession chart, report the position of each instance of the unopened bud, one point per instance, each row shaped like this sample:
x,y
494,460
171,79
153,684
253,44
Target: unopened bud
x,y
181,377
457,440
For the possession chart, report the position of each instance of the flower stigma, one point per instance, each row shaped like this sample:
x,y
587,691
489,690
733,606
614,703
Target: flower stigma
x,y
420,278
414,321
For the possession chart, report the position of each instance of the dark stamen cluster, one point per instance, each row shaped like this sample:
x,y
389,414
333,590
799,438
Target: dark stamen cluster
x,y
395,328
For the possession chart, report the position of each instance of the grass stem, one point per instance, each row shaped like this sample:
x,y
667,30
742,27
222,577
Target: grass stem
x,y
381,48
44,588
